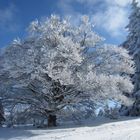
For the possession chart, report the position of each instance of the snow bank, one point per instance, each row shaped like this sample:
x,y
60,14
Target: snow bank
x,y
124,129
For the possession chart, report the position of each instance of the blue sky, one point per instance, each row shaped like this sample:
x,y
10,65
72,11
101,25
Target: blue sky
x,y
109,16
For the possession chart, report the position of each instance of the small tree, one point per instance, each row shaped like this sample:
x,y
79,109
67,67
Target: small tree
x,y
60,64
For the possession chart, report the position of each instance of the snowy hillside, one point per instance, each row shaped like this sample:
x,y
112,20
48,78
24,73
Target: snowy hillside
x,y
125,129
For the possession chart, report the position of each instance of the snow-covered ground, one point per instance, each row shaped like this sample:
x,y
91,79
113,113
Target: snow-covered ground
x,y
123,129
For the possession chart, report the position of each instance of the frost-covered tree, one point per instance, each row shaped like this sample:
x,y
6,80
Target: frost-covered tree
x,y
133,28
133,45
60,64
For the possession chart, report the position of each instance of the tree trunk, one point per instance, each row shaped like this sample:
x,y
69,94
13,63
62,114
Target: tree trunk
x,y
2,119
51,120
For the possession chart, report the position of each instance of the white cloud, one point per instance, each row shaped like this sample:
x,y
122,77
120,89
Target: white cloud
x,y
121,3
65,6
8,18
113,20
112,16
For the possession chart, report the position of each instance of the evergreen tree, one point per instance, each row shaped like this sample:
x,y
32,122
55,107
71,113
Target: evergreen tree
x,y
133,45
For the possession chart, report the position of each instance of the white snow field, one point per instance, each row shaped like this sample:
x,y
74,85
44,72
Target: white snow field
x,y
123,129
